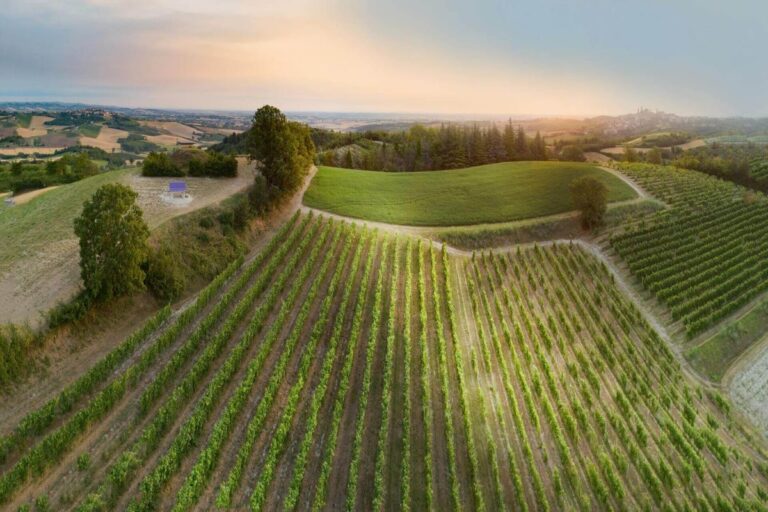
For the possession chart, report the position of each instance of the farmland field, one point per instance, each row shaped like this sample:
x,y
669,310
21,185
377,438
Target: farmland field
x,y
490,193
343,368
706,256
106,138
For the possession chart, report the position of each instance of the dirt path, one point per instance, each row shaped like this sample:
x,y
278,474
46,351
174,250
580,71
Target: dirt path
x,y
641,194
28,196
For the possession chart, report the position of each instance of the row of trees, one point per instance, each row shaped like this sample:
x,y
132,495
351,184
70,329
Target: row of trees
x,y
450,146
737,163
190,162
71,167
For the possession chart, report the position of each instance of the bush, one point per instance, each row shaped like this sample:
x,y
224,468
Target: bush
x,y
160,164
185,159
68,312
206,223
190,161
196,168
572,153
227,218
220,166
164,277
16,343
241,215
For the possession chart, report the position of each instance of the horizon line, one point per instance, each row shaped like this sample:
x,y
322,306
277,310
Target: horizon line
x,y
427,115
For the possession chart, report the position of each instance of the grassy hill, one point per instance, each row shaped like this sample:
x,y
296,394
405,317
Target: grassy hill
x,y
30,227
489,193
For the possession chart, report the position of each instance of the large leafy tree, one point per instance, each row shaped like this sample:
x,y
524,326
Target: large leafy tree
x,y
113,242
590,197
284,149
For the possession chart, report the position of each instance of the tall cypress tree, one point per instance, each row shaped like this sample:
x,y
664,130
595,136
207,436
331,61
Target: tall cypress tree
x,y
521,144
510,142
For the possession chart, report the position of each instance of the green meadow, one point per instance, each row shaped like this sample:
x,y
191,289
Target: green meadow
x,y
489,193
30,227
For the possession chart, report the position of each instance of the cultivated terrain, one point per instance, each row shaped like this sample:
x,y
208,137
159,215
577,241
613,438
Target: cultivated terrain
x,y
345,366
442,336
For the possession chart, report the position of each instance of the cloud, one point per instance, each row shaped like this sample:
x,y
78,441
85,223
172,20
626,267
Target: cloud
x,y
492,56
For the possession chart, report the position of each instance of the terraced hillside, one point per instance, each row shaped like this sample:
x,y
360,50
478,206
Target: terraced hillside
x,y
346,369
707,255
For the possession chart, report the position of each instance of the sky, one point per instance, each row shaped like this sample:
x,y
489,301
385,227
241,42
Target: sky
x,y
500,57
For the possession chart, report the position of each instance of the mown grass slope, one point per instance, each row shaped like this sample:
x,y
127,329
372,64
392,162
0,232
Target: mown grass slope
x,y
28,228
489,193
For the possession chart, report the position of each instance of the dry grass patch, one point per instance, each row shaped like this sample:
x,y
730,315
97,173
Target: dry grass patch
x,y
107,139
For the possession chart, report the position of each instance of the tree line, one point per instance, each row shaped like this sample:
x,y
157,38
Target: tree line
x,y
449,146
191,162
22,176
741,164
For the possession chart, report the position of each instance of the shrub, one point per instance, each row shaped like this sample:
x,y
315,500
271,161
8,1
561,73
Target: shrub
x,y
227,218
220,166
196,168
15,345
160,164
572,153
241,214
165,278
68,312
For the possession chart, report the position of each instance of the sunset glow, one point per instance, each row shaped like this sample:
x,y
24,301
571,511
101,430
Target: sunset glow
x,y
361,56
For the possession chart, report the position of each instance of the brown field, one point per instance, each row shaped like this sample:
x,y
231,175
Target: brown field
x,y
31,132
166,140
38,122
107,139
696,143
55,139
597,158
29,151
36,127
176,129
